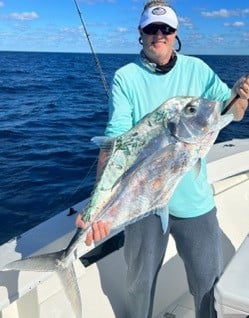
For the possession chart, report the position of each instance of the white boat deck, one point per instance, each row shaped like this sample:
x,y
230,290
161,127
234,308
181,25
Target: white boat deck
x,y
104,281
183,307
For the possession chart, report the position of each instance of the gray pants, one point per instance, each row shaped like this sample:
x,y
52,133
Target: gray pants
x,y
198,244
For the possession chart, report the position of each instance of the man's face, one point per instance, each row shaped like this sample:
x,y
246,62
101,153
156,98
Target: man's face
x,y
158,41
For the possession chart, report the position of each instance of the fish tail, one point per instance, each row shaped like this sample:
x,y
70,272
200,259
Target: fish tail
x,y
54,262
39,263
69,282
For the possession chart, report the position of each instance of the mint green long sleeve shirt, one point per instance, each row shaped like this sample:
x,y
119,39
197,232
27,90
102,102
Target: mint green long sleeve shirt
x,y
137,91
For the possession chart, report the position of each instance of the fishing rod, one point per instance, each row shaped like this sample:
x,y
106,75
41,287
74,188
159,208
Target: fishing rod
x,y
104,82
102,76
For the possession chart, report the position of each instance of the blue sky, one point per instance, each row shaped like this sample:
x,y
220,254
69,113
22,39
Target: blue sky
x,y
206,27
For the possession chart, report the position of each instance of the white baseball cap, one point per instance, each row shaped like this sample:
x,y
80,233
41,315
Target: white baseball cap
x,y
163,14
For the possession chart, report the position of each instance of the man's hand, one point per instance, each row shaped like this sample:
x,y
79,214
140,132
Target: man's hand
x,y
242,87
238,102
99,230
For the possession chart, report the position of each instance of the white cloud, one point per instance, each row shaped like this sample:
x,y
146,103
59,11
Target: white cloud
x,y
245,11
71,30
23,16
217,39
235,24
196,36
186,22
1,4
215,14
224,13
246,36
122,30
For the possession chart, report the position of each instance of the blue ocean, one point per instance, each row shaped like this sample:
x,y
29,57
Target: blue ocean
x,y
52,104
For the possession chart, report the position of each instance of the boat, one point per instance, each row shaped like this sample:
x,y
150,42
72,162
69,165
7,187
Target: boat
x,y
101,269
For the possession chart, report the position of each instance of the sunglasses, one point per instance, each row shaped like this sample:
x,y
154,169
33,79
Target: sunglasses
x,y
152,29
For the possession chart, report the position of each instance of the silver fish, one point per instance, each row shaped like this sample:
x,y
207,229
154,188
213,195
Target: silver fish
x,y
145,165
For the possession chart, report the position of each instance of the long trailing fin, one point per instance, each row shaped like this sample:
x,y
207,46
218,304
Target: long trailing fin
x,y
38,263
69,282
197,168
225,120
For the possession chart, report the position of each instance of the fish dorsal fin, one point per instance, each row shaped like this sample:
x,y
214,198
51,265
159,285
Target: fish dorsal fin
x,y
103,142
197,168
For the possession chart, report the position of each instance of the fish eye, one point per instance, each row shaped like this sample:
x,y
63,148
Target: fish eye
x,y
190,109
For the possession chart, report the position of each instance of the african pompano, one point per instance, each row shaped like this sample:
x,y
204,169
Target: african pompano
x,y
145,165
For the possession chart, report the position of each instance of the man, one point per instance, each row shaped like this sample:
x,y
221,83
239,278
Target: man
x,y
138,88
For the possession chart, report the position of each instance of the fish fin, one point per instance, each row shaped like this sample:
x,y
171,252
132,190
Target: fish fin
x,y
225,120
70,285
38,263
103,142
197,168
51,262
